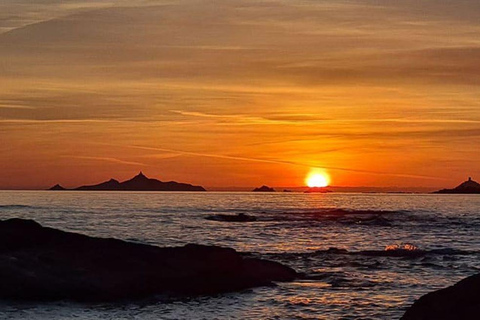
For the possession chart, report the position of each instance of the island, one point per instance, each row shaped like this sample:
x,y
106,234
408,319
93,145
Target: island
x,y
468,187
138,183
44,264
57,187
264,189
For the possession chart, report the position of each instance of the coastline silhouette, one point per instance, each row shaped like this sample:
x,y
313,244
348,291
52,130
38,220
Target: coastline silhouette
x,y
468,187
138,183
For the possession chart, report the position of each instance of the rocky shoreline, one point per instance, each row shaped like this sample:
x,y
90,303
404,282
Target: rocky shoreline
x,y
44,264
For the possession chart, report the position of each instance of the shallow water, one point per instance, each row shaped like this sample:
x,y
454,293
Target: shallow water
x,y
357,279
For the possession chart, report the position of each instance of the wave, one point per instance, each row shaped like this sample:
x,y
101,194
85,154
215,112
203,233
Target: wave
x,y
400,251
339,279
382,218
344,216
16,206
344,212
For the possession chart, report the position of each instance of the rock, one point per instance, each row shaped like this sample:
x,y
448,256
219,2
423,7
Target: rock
x,y
241,217
460,301
40,263
264,189
468,187
57,187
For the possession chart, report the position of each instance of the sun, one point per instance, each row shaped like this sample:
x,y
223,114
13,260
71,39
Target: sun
x,y
317,179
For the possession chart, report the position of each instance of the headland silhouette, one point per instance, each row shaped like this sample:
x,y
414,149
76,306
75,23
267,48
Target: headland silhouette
x,y
138,183
468,187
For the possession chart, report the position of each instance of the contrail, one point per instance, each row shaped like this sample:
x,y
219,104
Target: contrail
x,y
115,160
284,162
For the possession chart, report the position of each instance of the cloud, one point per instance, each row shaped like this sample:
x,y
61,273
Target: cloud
x,y
310,119
192,41
107,159
294,83
13,106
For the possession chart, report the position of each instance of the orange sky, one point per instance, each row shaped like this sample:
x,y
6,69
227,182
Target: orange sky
x,y
240,93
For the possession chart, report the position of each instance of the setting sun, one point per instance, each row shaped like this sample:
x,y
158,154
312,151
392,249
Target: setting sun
x,y
317,179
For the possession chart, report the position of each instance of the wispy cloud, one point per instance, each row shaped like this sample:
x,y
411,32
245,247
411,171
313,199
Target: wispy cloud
x,y
108,159
246,119
16,106
60,121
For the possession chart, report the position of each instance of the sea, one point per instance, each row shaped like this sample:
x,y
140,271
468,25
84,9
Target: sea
x,y
363,256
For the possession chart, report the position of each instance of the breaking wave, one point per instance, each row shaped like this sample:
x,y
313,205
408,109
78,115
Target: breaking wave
x,y
403,250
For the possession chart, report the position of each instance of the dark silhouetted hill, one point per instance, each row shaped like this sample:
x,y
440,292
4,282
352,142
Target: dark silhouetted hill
x,y
264,189
140,183
57,187
111,184
468,187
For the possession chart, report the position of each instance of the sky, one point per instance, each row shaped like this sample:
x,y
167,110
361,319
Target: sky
x,y
239,93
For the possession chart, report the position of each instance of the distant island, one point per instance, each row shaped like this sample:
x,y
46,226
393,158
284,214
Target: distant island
x,y
57,187
468,187
138,183
264,189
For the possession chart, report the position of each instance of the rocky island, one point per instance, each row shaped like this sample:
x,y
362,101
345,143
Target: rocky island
x,y
57,187
264,189
138,183
468,187
45,264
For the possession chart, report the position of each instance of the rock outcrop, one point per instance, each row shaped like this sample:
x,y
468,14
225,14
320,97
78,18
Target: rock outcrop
x,y
460,301
241,217
264,189
57,187
40,263
468,187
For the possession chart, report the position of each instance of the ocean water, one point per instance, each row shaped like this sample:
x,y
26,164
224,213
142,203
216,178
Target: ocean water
x,y
337,240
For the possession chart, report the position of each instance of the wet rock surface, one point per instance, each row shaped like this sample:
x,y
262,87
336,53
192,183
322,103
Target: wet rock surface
x,y
460,301
40,263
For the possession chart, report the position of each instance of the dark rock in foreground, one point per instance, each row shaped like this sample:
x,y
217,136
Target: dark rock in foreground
x,y
460,301
40,263
467,187
140,183
264,189
241,217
